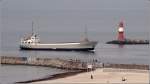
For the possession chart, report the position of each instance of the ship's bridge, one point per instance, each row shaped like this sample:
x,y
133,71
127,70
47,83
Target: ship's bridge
x,y
30,40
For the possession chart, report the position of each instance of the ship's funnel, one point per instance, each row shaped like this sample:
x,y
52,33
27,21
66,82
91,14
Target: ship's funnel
x,y
121,31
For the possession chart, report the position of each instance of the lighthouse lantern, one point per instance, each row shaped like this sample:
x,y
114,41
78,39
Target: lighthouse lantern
x,y
120,29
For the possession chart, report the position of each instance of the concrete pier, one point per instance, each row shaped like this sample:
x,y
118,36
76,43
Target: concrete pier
x,y
65,64
127,66
57,63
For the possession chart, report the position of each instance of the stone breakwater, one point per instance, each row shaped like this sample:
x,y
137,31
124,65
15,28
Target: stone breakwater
x,y
52,77
48,62
127,66
66,64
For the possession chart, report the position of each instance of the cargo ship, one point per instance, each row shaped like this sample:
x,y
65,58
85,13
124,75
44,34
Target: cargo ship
x,y
32,42
122,40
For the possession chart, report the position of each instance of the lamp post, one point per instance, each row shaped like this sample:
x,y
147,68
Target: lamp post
x,y
90,67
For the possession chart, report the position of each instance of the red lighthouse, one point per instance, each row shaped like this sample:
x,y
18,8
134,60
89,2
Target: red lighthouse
x,y
121,31
121,39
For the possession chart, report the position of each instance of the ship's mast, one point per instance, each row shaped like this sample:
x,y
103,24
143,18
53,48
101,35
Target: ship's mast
x,y
32,28
85,31
85,34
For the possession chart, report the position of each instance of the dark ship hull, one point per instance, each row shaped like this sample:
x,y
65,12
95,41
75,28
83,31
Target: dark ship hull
x,y
58,49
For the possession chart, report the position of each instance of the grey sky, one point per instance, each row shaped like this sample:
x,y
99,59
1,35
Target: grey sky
x,y
101,15
76,4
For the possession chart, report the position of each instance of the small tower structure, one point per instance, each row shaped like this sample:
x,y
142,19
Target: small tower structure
x,y
121,36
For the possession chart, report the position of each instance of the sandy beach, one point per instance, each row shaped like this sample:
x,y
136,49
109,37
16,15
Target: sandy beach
x,y
104,75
